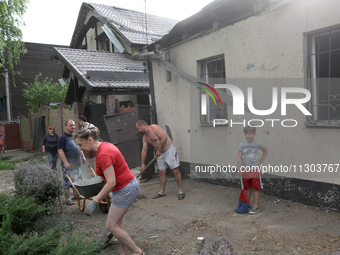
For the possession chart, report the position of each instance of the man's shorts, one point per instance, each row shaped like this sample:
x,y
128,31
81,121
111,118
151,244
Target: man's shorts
x,y
75,176
252,180
168,159
2,146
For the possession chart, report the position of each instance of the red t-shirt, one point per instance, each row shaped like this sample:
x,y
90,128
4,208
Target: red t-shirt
x,y
108,154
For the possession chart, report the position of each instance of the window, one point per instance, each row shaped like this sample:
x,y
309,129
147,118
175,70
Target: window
x,y
324,75
103,42
213,72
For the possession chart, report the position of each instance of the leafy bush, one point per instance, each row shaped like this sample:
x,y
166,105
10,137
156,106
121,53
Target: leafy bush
x,y
18,237
21,212
77,245
39,181
34,243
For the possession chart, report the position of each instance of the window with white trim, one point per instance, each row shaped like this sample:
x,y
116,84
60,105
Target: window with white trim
x,y
213,72
324,76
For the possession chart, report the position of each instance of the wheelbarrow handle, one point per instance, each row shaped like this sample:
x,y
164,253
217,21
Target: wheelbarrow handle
x,y
152,160
93,172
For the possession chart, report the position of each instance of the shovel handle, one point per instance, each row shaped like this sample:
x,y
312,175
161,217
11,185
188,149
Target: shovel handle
x,y
242,182
93,172
152,160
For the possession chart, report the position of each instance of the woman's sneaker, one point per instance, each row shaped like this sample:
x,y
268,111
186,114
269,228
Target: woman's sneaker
x,y
254,210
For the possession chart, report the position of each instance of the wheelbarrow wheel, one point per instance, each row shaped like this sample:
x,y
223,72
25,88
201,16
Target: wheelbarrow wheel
x,y
105,207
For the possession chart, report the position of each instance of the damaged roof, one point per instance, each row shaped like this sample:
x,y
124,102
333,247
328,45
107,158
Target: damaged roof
x,y
214,16
134,27
103,71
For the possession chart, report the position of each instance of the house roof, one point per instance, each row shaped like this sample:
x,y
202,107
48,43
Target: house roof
x,y
104,71
134,27
217,14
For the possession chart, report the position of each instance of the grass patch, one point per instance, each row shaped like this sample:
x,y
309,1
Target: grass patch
x,y
7,165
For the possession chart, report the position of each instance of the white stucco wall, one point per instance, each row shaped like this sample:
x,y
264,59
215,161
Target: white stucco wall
x,y
274,43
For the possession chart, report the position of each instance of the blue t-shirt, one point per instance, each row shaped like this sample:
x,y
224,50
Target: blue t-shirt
x,y
67,143
249,153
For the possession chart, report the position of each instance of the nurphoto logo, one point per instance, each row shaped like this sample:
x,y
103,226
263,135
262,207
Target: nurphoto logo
x,y
239,100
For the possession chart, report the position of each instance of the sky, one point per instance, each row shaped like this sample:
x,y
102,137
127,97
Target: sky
x,y
53,22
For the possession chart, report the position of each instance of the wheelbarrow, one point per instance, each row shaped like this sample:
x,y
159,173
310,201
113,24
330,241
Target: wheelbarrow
x,y
90,188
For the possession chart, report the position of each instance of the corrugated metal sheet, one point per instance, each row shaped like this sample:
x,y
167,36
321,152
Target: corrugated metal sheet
x,y
135,25
83,61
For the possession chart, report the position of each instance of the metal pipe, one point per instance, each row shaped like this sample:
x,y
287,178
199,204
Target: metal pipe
x,y
8,97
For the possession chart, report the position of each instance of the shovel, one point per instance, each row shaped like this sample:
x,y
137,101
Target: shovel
x,y
152,160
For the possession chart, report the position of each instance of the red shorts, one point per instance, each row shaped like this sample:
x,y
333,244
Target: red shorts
x,y
252,179
254,183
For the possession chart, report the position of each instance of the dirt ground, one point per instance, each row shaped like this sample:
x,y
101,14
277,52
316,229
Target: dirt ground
x,y
166,225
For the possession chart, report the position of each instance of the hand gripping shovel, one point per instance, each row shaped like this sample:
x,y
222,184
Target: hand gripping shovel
x,y
243,204
152,160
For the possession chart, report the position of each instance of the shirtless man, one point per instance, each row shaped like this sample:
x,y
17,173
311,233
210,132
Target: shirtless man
x,y
166,155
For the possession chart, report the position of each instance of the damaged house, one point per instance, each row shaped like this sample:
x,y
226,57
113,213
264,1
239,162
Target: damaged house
x,y
103,79
271,51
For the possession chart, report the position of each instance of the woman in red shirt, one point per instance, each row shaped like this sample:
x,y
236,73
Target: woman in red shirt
x,y
111,165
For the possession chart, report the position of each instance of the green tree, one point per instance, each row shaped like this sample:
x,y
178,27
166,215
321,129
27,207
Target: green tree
x,y
11,46
39,94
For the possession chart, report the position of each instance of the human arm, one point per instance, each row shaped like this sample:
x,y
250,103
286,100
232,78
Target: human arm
x,y
63,158
143,156
110,177
43,143
264,154
239,163
160,133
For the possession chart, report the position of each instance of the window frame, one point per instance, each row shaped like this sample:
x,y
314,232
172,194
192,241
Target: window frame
x,y
204,76
313,81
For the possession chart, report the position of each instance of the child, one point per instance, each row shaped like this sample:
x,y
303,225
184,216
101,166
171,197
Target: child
x,y
249,166
2,143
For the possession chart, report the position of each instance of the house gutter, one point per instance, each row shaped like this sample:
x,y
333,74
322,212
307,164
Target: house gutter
x,y
8,97
183,75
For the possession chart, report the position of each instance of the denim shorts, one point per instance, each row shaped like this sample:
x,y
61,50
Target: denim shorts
x,y
127,195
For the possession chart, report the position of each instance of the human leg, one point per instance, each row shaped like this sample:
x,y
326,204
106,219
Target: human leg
x,y
54,161
256,185
50,158
114,224
256,198
162,178
67,185
178,178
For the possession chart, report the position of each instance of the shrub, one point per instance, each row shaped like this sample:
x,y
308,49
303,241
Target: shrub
x,y
35,244
39,181
21,212
7,166
78,245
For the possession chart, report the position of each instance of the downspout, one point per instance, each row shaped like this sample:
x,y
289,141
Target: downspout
x,y
8,97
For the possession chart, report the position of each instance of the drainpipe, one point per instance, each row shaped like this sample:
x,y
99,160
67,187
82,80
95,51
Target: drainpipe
x,y
8,97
